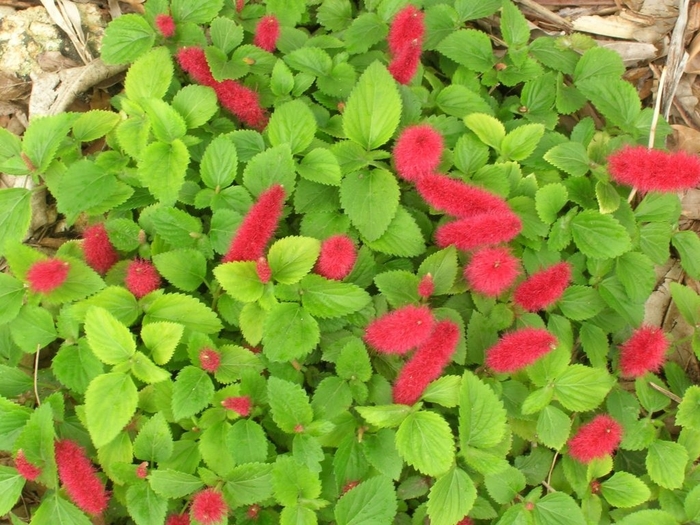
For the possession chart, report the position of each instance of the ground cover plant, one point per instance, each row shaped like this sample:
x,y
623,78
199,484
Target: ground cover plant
x,y
351,264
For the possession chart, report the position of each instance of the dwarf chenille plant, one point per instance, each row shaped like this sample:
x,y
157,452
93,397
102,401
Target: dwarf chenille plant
x,y
344,262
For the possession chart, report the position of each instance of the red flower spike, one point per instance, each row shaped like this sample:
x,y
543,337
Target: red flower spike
x,y
466,521
644,352
243,102
258,227
485,229
426,286
408,25
142,470
252,512
241,405
427,364
99,252
457,198
417,152
25,468
399,331
79,478
166,25
491,271
596,439
654,170
178,519
208,507
543,288
141,278
404,65
263,270
209,359
519,349
46,276
337,258
193,61
267,32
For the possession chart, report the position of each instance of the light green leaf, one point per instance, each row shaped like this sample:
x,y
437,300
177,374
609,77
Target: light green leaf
x,y
692,504
482,417
94,124
240,280
43,137
310,60
247,442
249,483
489,129
173,484
289,332
599,62
15,215
294,124
144,505
196,104
109,340
607,196
636,273
200,12
403,238
470,10
145,370
293,481
218,166
366,30
570,157
599,236
225,34
424,440
688,302
582,388
384,416
666,462
688,414
688,245
126,38
514,27
549,200
270,167
33,328
469,48
616,99
11,485
183,309
442,266
192,392
75,366
581,302
291,258
320,165
451,497
83,186
399,287
557,508
185,269
162,168
372,502
161,339
624,490
370,199
110,403
150,76
54,510
521,142
373,110
504,486
553,427
327,298
380,451
154,442
645,517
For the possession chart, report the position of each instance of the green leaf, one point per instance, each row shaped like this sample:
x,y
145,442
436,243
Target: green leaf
x,y
320,165
470,10
11,485
440,21
688,414
385,416
582,388
144,505
451,497
506,485
399,287
489,129
293,481
403,238
599,62
616,99
443,267
365,31
185,269
469,48
162,168
557,508
196,104
150,76
688,246
692,504
353,361
117,300
373,110
644,517
326,298
218,166
581,302
482,417
247,442
282,79
658,207
310,60
549,200
110,403
636,273
154,441
372,502
83,186
54,510
109,340
272,166
183,309
162,339
175,226
33,329
198,12
298,515
248,484
291,258
15,215
607,196
288,12
293,124
380,451
43,137
192,392
666,462
126,38
173,484
240,280
553,427
94,124
332,397
225,34
370,199
600,236
289,332
334,15
459,101
424,440
75,366
514,27
624,490
688,302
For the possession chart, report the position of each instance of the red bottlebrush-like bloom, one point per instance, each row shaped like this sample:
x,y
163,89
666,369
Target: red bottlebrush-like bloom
x,y
427,364
263,270
79,478
99,252
142,470
46,276
492,271
178,519
239,5
407,26
338,256
426,286
399,331
466,521
166,25
519,349
644,352
267,32
192,60
596,439
404,64
25,468
209,359
456,198
243,102
654,170
241,405
141,278
485,229
208,507
543,288
417,152
258,227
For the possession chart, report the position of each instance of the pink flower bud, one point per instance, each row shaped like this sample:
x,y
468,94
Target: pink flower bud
x,y
337,258
192,60
417,152
407,26
267,32
457,198
491,271
426,286
519,349
141,278
45,276
208,507
209,359
644,352
399,331
25,468
485,229
654,170
596,439
78,476
543,288
241,405
263,270
99,252
404,64
166,25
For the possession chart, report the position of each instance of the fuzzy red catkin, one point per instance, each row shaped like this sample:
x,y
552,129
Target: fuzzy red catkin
x,y
98,250
258,226
267,32
596,439
399,331
193,61
239,404
645,351
243,102
485,229
79,478
654,170
209,359
457,198
208,507
26,469
427,364
45,276
407,26
166,25
141,278
491,271
417,151
426,286
404,64
519,349
337,257
262,268
178,519
543,288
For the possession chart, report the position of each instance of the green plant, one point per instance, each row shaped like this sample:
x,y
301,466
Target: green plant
x,y
187,379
